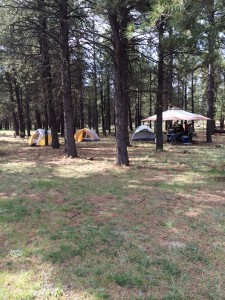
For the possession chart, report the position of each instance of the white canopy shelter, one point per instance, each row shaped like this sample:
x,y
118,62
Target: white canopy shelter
x,y
175,114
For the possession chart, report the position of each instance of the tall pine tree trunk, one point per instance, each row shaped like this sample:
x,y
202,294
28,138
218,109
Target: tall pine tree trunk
x,y
150,94
95,102
70,146
61,116
169,82
11,96
79,83
211,71
46,124
81,100
28,122
47,81
108,106
37,119
159,98
103,109
19,108
118,21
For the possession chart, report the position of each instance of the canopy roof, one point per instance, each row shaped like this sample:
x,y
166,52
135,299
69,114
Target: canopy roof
x,y
175,114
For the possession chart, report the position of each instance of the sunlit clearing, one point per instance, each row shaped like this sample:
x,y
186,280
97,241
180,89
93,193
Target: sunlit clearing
x,y
16,166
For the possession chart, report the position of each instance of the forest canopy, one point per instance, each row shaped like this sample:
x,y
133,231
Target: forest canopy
x,y
106,65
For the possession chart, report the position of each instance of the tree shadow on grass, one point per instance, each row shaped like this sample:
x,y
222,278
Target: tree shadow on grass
x,y
105,231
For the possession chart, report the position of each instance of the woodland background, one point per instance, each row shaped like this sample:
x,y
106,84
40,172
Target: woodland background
x,y
107,64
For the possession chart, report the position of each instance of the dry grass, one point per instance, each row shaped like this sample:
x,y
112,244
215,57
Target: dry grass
x,y
87,229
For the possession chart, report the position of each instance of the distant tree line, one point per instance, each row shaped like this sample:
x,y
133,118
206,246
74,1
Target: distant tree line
x,y
67,64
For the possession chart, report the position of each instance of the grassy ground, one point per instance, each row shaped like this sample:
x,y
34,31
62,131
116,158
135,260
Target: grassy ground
x,y
87,229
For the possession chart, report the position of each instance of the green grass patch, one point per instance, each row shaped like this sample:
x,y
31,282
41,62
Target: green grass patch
x,y
84,229
13,210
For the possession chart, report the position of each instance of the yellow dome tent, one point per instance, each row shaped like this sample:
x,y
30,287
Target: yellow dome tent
x,y
86,135
37,138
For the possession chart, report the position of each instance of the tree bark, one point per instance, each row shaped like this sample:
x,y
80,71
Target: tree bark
x,y
70,146
150,94
79,83
211,72
47,81
11,96
62,126
159,97
28,122
81,100
38,119
130,118
118,21
168,81
210,102
20,109
46,125
103,110
108,106
95,102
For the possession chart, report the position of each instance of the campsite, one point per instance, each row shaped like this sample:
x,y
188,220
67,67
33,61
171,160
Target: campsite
x,y
112,150
89,229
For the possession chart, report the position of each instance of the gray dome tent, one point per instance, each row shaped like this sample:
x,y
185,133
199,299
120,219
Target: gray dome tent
x,y
143,133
